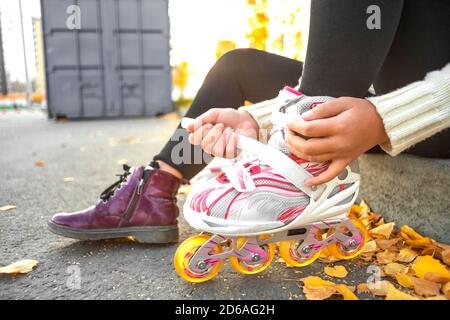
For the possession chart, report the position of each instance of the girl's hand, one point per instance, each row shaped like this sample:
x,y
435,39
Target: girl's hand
x,y
339,131
216,131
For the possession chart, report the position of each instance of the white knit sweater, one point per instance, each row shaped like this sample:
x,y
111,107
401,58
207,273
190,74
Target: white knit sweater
x,y
410,114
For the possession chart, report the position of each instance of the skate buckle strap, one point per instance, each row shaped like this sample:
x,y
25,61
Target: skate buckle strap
x,y
276,159
281,163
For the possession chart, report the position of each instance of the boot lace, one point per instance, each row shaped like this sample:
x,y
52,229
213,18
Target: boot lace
x,y
116,185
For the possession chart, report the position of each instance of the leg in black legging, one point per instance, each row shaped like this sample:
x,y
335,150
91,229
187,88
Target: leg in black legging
x,y
242,74
344,56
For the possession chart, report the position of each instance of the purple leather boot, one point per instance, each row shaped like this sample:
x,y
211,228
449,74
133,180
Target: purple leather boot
x,y
142,204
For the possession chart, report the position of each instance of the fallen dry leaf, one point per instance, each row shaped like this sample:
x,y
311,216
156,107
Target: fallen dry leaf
x,y
446,256
382,231
404,280
413,238
446,290
318,293
316,288
39,163
424,264
22,266
362,288
436,277
425,288
441,297
406,255
337,271
379,288
346,292
395,294
391,269
385,244
370,246
386,257
8,208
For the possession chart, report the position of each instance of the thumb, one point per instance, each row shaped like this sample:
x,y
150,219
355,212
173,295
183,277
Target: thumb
x,y
326,110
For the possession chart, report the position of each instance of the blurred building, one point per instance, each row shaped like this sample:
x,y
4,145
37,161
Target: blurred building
x,y
39,56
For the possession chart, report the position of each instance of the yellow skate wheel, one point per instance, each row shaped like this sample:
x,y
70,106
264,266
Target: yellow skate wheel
x,y
184,254
341,252
288,251
246,268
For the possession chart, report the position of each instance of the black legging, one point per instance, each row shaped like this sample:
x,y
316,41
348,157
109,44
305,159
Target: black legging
x,y
343,58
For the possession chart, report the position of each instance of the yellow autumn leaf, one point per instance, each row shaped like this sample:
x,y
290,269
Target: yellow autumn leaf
x,y
337,271
362,288
404,280
316,288
382,231
395,294
391,269
346,292
22,266
370,246
424,264
406,255
8,208
314,281
410,233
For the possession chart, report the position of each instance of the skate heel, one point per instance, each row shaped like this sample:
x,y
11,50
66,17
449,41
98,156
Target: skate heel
x,y
160,234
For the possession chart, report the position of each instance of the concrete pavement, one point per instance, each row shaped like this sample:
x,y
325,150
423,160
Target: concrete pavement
x,y
90,151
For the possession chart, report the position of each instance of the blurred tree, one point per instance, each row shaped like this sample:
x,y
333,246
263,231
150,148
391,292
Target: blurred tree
x,y
258,22
180,76
17,87
223,46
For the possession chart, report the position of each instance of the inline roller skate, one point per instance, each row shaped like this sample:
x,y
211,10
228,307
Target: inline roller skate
x,y
256,205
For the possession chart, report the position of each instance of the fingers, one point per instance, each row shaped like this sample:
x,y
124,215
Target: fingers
x,y
334,169
314,149
326,110
219,148
212,137
315,129
197,136
209,116
231,150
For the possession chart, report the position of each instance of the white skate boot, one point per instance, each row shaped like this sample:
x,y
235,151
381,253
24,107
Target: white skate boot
x,y
255,204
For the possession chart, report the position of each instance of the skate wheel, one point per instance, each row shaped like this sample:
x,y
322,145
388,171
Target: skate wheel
x,y
183,256
247,268
341,252
288,251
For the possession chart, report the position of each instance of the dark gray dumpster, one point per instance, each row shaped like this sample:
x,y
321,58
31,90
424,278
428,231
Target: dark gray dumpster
x,y
107,58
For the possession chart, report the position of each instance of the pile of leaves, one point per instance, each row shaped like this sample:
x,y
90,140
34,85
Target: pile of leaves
x,y
412,266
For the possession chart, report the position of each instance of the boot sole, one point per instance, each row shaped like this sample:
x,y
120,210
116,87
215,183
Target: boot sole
x,y
156,234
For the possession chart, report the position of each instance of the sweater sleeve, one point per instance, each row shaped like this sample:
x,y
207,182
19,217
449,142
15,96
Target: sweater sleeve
x,y
415,112
261,112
